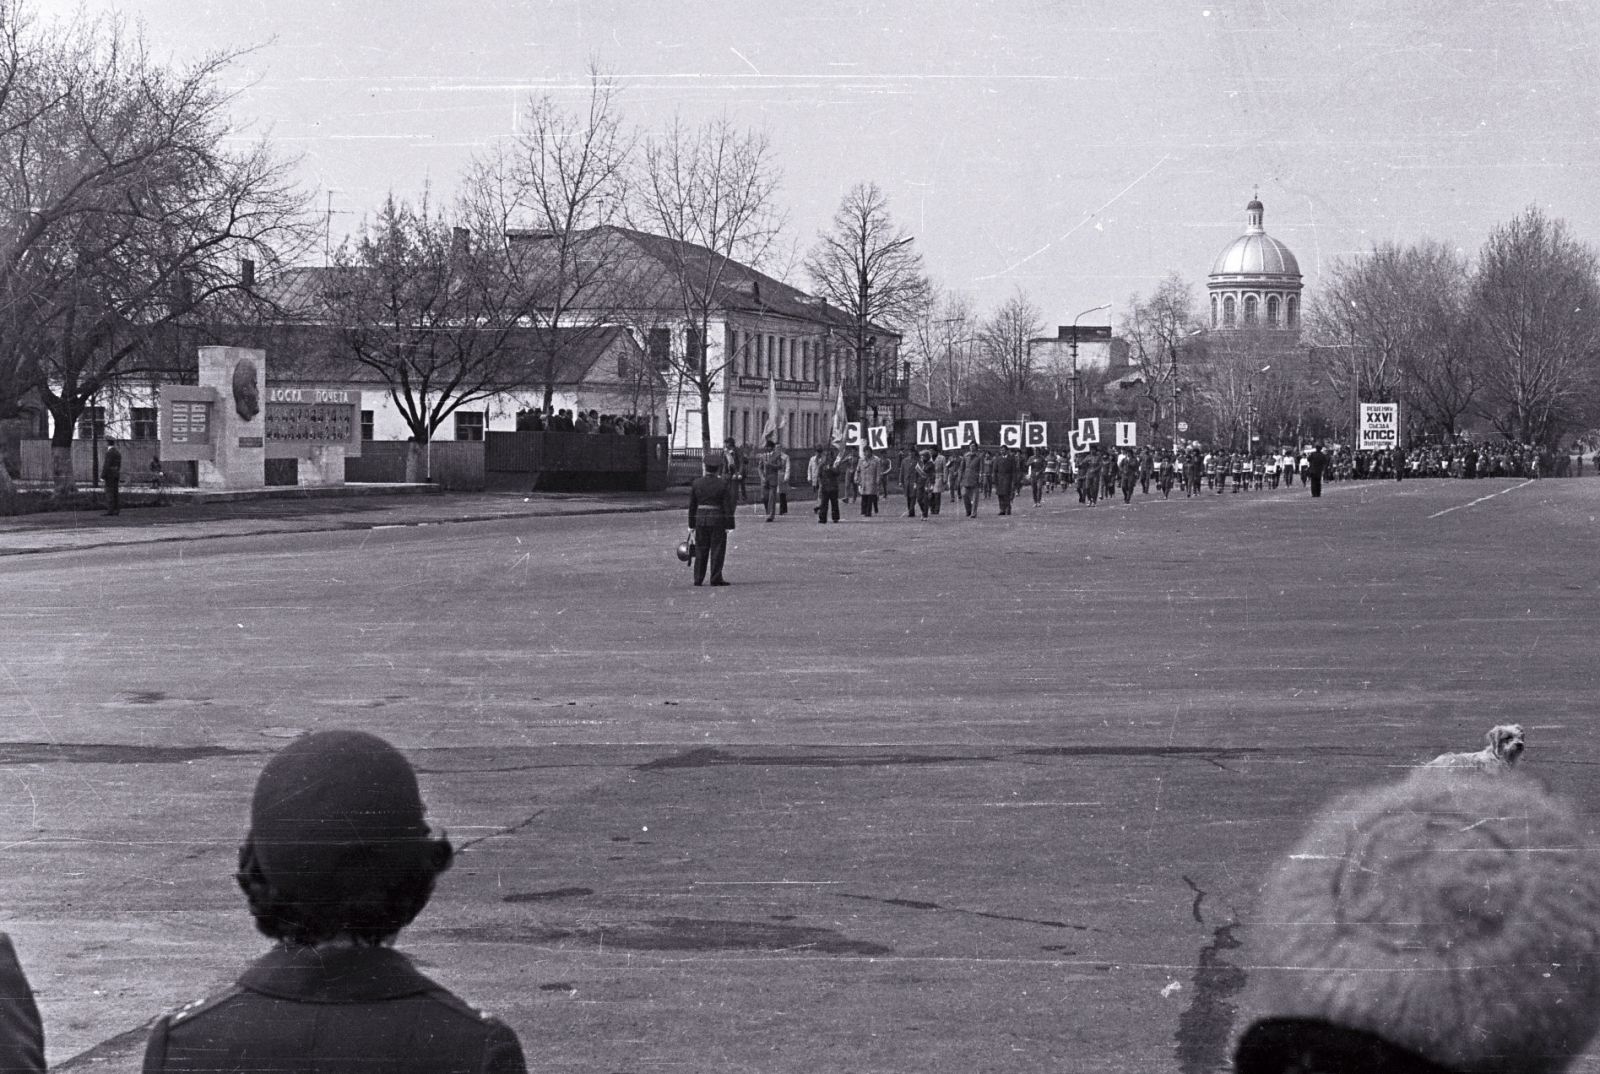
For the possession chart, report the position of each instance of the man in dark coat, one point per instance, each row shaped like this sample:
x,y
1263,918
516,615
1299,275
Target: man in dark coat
x,y
1316,463
338,860
1127,474
712,510
828,486
111,474
1005,478
911,481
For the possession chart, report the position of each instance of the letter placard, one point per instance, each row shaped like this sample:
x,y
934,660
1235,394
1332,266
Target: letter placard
x,y
1035,434
1077,442
950,438
852,434
878,437
1010,436
927,434
1127,434
969,433
1089,430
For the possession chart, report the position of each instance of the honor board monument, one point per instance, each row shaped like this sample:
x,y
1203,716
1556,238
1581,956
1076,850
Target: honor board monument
x,y
231,423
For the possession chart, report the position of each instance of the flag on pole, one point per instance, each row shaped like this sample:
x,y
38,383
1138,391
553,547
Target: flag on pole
x,y
774,423
841,421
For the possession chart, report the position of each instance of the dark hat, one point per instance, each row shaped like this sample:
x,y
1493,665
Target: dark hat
x,y
329,794
1455,917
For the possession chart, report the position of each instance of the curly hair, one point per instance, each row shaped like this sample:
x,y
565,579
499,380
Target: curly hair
x,y
373,893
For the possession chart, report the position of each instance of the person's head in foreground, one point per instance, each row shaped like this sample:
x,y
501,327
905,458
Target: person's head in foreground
x,y
337,861
338,847
1448,923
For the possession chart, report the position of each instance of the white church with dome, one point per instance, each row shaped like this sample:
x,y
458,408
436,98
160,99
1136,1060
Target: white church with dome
x,y
1255,282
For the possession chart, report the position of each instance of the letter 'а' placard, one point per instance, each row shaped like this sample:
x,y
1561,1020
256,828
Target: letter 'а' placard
x,y
878,437
1034,434
969,433
1010,436
1127,434
1089,430
927,434
852,434
950,437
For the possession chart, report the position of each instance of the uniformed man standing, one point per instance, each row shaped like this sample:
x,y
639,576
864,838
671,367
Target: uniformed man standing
x,y
338,860
712,513
1316,465
773,463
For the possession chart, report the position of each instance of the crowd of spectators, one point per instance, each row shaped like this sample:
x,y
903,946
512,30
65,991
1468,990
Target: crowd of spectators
x,y
584,421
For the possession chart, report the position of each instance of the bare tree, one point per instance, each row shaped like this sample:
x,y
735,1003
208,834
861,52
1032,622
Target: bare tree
x,y
868,266
942,341
421,306
1155,328
1535,305
708,193
128,210
539,205
1391,323
1005,353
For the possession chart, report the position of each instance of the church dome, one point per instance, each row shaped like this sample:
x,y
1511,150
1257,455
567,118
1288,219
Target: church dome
x,y
1255,281
1255,253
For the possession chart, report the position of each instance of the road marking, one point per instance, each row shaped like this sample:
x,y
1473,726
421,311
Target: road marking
x,y
1480,499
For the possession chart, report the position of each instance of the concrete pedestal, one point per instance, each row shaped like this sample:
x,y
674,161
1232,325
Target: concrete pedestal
x,y
238,375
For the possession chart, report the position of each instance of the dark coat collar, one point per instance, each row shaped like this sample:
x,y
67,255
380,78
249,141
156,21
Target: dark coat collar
x,y
335,975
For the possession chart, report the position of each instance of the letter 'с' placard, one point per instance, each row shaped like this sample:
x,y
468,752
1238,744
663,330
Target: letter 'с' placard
x,y
852,434
969,432
1034,434
878,437
950,438
1089,430
927,434
1078,444
1010,436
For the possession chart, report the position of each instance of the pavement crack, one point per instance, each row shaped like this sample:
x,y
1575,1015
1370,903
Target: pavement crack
x,y
1204,1028
511,829
918,904
1199,896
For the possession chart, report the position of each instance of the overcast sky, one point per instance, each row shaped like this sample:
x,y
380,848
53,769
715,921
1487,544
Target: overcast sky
x,y
1077,150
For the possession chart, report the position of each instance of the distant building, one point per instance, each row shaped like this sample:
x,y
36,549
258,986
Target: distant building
x,y
1255,282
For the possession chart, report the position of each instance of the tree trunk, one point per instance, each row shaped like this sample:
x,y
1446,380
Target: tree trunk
x,y
416,461
705,416
8,491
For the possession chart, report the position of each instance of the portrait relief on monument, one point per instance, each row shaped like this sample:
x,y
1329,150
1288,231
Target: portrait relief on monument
x,y
246,393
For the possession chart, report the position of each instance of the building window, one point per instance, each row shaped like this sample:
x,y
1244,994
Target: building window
x,y
658,341
772,357
366,425
1227,312
1213,311
145,426
694,348
1272,311
1250,303
92,423
1292,312
469,424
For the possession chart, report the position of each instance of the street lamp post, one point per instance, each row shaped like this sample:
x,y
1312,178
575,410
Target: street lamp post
x,y
1072,378
1172,348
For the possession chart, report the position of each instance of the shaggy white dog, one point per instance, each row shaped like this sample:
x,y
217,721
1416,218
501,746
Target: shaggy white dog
x,y
1505,746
